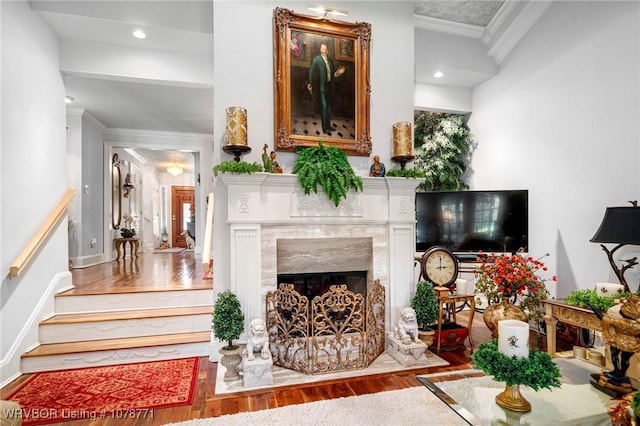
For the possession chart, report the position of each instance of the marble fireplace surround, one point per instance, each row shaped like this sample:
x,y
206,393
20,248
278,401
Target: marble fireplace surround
x,y
267,213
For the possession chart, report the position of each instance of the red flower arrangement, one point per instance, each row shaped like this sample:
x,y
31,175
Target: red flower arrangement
x,y
512,278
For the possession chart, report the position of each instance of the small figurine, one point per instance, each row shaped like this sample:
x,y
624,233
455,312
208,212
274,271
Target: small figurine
x,y
267,163
276,166
377,168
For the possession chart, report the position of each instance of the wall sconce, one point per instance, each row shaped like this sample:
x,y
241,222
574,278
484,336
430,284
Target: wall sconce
x,y
174,169
128,186
621,226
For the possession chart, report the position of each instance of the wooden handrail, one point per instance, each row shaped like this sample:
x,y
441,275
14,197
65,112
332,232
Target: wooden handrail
x,y
208,236
45,230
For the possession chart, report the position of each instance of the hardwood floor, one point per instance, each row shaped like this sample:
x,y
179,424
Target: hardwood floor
x,y
154,272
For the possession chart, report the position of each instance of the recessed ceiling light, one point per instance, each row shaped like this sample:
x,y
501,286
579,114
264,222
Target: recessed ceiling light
x,y
139,33
438,74
68,99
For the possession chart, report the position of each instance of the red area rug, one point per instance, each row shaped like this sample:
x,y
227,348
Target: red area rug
x,y
114,392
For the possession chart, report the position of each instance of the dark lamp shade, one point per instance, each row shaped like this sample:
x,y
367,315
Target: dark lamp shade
x,y
620,225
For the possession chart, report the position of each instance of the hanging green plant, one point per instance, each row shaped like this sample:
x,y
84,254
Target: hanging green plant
x,y
327,167
236,167
443,145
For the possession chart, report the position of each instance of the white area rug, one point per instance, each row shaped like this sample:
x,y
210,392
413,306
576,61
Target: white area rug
x,y
413,406
284,377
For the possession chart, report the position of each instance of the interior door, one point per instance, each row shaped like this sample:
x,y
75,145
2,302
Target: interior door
x,y
183,211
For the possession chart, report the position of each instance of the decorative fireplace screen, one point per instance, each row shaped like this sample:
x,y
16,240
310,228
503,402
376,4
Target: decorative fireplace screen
x,y
338,331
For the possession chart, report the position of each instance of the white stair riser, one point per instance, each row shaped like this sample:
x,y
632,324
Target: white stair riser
x,y
114,357
126,301
115,329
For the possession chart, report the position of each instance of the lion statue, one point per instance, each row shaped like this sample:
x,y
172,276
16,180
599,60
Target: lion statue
x,y
258,340
407,329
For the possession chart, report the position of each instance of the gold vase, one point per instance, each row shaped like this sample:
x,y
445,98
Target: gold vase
x,y
499,311
511,399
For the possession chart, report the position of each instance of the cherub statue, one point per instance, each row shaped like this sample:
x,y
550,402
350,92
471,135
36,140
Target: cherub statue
x,y
258,341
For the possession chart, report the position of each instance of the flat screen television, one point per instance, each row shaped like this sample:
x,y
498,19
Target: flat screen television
x,y
473,221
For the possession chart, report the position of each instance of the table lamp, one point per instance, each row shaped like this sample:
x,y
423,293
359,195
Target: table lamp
x,y
620,226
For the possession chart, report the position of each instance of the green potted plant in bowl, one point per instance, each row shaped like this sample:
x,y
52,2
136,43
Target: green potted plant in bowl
x,y
425,304
228,324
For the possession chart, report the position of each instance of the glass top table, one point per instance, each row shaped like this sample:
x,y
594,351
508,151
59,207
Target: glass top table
x,y
577,402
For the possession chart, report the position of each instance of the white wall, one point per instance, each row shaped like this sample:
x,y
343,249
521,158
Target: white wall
x,y
243,73
442,98
92,189
561,120
33,176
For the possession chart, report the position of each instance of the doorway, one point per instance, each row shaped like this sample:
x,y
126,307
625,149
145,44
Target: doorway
x,y
183,214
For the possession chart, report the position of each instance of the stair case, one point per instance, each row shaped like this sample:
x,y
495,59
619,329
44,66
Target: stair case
x,y
109,329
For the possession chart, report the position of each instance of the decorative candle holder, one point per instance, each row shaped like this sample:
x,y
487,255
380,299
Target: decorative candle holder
x,y
513,338
237,140
402,143
236,126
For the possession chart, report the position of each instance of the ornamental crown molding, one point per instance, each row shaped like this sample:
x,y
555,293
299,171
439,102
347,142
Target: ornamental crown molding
x,y
501,35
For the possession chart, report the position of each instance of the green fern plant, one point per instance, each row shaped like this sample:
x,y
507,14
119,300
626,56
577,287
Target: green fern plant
x,y
236,167
328,168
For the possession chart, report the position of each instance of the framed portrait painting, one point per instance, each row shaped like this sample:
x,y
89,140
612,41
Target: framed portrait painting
x,y
321,83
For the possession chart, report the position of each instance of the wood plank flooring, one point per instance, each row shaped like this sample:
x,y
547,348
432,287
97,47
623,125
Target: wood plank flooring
x,y
153,272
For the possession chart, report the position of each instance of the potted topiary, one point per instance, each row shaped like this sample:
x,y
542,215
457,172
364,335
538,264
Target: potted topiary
x,y
425,304
228,324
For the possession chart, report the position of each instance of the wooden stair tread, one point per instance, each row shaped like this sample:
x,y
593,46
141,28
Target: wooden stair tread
x,y
125,315
137,289
113,344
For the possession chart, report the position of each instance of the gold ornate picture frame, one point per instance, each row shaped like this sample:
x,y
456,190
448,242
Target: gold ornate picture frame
x,y
308,109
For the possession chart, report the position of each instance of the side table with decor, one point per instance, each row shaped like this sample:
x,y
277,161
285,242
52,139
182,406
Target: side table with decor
x,y
134,245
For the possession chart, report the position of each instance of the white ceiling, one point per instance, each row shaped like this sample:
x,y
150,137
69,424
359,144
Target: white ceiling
x,y
116,79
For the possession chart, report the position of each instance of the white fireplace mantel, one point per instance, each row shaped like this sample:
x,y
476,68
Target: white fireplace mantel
x,y
265,207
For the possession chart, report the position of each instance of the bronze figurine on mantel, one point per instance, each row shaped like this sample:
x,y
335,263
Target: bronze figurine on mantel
x,y
269,161
377,168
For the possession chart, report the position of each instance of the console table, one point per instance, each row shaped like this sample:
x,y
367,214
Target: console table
x,y
556,310
134,245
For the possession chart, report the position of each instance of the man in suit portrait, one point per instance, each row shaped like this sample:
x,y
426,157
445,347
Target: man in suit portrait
x,y
322,73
